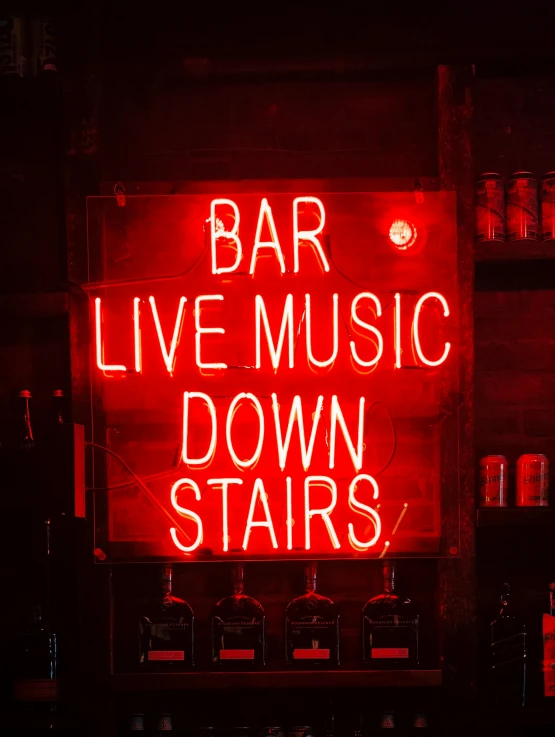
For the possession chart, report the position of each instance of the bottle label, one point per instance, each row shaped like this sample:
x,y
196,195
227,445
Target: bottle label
x,y
137,723
389,652
165,724
166,655
311,654
236,654
387,721
36,689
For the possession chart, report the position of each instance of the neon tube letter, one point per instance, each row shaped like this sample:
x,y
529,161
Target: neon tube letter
x,y
337,417
137,334
365,511
169,356
259,493
323,513
187,513
224,483
310,355
266,212
233,235
308,236
112,368
212,410
397,329
415,328
289,521
286,325
206,331
253,460
296,411
356,319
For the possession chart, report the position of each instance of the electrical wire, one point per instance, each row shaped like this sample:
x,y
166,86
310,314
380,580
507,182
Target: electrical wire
x,y
90,286
140,483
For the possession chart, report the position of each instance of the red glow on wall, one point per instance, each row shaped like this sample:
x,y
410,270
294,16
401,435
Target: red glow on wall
x,y
280,397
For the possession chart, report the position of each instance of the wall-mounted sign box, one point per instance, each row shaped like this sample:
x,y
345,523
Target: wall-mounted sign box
x,y
275,375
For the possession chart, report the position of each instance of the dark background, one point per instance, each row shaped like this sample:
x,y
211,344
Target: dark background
x,y
171,95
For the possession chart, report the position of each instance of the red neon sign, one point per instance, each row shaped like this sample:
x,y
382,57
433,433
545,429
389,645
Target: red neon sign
x,y
288,388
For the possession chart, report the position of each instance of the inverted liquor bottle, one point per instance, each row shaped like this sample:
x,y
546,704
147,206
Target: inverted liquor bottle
x,y
312,627
390,627
508,650
238,628
166,630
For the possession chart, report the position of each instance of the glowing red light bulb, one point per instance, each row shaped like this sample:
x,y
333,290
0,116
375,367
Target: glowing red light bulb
x,y
402,234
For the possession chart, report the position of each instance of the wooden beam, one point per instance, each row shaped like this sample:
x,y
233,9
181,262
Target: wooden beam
x,y
457,579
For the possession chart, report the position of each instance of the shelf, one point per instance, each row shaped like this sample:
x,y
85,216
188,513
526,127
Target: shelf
x,y
277,679
527,717
514,251
521,517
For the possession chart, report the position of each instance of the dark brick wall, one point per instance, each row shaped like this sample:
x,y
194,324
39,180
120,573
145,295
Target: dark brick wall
x,y
154,125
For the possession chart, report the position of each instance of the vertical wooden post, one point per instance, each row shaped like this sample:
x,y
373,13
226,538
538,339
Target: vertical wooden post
x,y
457,580
83,168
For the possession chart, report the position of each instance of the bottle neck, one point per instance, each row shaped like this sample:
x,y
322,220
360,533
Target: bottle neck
x,y
48,563
238,579
27,438
388,577
505,596
310,578
166,580
58,403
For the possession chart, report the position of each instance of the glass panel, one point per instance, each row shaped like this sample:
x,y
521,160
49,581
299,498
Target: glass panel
x,y
348,335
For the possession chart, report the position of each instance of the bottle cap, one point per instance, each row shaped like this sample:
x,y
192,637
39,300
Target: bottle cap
x,y
238,578
58,393
24,394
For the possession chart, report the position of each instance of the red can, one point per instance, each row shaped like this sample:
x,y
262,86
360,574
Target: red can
x,y
493,481
490,207
548,206
522,207
532,480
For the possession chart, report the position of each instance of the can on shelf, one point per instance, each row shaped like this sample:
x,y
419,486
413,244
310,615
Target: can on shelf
x,y
14,51
493,481
548,206
522,207
490,207
45,46
532,480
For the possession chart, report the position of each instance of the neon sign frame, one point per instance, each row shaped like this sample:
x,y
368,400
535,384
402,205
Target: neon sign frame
x,y
276,342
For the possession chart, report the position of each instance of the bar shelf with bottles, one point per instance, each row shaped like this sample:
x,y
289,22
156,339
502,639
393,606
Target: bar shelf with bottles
x,y
237,640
